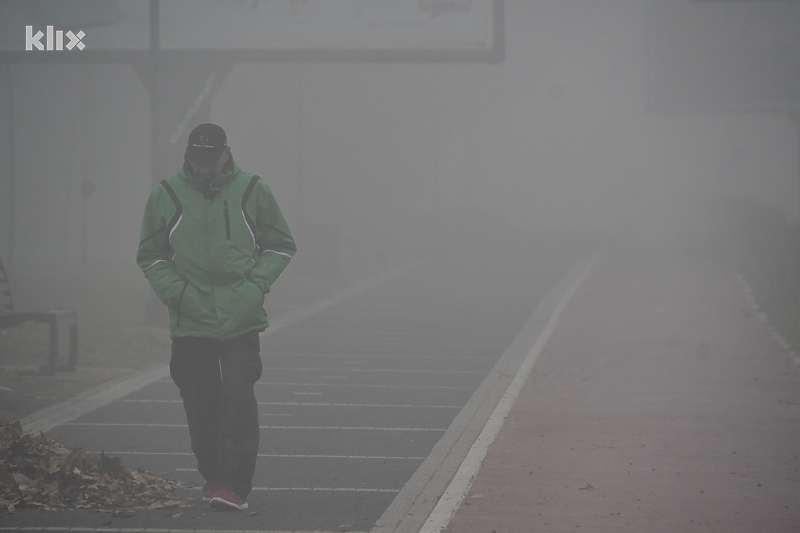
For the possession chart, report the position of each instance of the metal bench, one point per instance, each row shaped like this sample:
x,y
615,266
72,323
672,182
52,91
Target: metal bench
x,y
55,318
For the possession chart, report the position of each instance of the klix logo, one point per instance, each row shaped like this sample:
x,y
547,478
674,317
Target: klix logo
x,y
54,39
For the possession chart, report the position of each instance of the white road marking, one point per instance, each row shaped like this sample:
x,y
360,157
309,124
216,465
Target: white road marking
x,y
273,456
387,370
74,529
320,404
383,357
323,489
362,385
316,428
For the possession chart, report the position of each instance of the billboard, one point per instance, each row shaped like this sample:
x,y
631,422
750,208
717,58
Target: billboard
x,y
259,30
704,55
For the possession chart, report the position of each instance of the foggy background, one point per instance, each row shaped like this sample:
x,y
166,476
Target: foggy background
x,y
374,164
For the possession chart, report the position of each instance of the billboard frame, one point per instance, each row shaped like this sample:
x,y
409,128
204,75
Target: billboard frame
x,y
494,54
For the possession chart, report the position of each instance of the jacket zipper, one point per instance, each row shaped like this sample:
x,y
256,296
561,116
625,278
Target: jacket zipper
x,y
227,219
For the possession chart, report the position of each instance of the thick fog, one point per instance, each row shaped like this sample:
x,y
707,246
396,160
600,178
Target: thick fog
x,y
372,163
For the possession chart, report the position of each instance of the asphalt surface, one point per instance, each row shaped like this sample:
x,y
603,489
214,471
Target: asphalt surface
x,y
632,390
368,403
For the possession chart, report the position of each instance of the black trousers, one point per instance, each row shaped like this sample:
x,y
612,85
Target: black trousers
x,y
216,380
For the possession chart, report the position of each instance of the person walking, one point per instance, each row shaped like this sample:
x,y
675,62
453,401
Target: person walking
x,y
213,242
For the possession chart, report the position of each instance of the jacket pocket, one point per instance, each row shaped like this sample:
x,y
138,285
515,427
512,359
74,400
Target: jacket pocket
x,y
240,306
194,310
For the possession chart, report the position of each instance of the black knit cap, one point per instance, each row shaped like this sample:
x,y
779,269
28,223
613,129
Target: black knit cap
x,y
206,144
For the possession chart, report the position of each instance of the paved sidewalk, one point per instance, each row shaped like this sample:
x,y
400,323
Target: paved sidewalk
x,y
662,403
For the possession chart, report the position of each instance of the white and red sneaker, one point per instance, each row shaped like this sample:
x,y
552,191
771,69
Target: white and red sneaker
x,y
227,500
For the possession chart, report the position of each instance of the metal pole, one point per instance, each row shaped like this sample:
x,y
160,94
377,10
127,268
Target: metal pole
x,y
155,313
11,170
299,146
154,83
794,120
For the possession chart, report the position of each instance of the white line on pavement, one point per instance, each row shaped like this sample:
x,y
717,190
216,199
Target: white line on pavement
x,y
319,404
386,370
315,428
274,456
322,489
73,529
362,385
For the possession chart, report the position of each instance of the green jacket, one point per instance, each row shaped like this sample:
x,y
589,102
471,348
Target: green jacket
x,y
212,251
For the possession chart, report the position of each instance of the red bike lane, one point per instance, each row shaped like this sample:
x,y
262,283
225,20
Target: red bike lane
x,y
663,401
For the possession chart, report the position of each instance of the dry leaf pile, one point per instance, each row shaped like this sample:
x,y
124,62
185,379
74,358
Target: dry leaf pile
x,y
42,473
